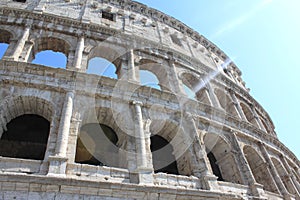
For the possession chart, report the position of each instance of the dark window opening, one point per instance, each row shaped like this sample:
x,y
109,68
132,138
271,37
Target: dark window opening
x,y
21,1
107,15
162,156
26,137
214,166
97,145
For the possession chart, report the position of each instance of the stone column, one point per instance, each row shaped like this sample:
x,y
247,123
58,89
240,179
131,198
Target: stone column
x,y
213,98
200,164
58,162
143,173
176,83
258,121
237,106
206,91
255,188
273,171
20,44
27,52
291,177
78,53
131,73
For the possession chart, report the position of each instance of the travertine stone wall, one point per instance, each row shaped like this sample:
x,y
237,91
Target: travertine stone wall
x,y
249,162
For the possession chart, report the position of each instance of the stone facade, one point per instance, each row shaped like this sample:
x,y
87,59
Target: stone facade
x,y
221,143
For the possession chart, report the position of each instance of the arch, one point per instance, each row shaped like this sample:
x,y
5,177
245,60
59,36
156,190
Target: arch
x,y
105,52
173,144
102,67
20,105
283,175
226,102
51,51
259,169
149,79
249,114
222,161
5,37
97,145
155,73
194,87
25,137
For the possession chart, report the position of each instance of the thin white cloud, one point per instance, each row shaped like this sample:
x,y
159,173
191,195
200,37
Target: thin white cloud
x,y
231,25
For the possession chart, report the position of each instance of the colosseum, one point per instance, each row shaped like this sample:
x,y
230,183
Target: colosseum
x,y
141,107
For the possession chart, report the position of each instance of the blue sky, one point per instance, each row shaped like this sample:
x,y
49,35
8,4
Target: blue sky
x,y
263,37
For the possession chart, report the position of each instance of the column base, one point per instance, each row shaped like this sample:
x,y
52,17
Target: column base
x,y
57,166
142,175
209,182
257,190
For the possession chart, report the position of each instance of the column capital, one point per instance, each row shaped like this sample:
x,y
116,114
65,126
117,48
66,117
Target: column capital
x,y
139,103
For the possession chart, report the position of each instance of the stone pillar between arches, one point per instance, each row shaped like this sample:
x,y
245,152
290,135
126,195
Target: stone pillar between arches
x,y
19,45
58,162
200,164
274,173
256,189
143,174
78,53
291,177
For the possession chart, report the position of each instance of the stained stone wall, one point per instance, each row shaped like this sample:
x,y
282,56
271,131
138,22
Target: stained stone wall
x,y
246,160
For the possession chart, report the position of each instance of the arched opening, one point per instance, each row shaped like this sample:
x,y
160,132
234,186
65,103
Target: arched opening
x,y
194,88
153,74
51,52
51,59
284,176
162,155
170,146
102,67
97,145
105,60
5,37
222,161
26,137
249,115
214,166
149,79
226,102
259,169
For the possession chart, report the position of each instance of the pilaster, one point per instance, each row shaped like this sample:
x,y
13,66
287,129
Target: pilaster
x,y
176,85
258,121
58,162
20,44
200,164
274,173
255,188
143,174
237,106
214,99
79,52
291,177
